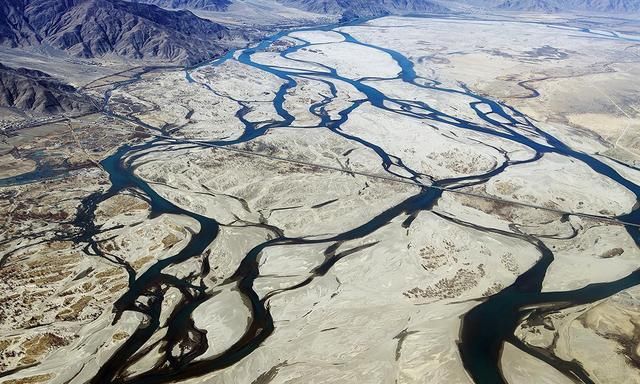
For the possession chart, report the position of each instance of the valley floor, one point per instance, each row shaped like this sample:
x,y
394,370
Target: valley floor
x,y
404,200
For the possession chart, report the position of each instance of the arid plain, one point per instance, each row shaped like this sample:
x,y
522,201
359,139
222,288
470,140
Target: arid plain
x,y
403,200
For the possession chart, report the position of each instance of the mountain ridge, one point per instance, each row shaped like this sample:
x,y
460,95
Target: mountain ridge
x,y
551,6
95,28
206,5
28,89
365,8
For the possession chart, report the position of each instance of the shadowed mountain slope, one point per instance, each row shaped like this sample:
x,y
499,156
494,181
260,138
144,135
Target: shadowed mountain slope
x,y
27,89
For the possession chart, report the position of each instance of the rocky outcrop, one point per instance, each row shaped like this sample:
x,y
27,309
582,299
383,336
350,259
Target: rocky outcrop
x,y
38,92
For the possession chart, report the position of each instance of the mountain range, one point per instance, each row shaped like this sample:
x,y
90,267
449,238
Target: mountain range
x,y
366,8
206,5
95,28
549,6
608,6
